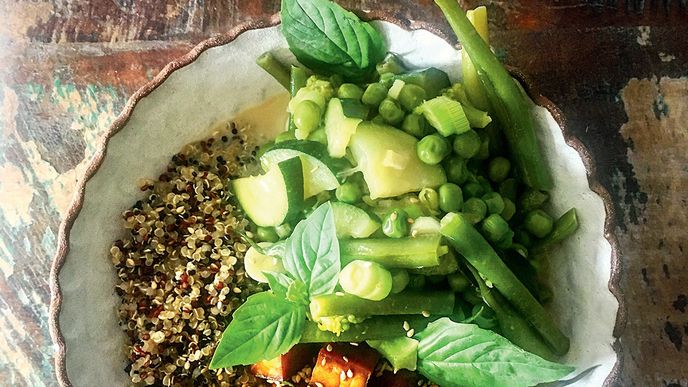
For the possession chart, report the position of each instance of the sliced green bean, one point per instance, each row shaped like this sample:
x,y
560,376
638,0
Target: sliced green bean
x,y
275,68
407,302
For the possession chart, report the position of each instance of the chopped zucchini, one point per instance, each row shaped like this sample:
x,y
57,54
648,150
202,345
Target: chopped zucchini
x,y
339,128
275,197
387,157
351,221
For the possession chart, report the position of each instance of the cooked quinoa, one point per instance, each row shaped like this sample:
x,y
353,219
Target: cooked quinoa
x,y
180,267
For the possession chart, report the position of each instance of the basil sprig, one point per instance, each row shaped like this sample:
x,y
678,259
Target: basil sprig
x,y
325,37
268,324
454,354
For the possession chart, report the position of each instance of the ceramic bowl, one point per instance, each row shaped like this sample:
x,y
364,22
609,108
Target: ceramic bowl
x,y
210,85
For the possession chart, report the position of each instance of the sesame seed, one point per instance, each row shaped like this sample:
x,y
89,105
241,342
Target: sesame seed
x,y
410,333
346,359
425,313
406,326
349,373
328,348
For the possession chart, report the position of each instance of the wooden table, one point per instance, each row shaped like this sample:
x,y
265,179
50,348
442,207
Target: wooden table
x,y
616,69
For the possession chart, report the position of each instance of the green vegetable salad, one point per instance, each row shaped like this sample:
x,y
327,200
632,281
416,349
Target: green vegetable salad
x,y
400,210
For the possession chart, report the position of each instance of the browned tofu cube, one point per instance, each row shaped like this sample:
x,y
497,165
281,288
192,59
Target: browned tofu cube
x,y
285,366
344,365
403,378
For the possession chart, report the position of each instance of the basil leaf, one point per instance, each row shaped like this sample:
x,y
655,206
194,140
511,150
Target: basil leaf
x,y
454,354
264,327
326,37
279,282
312,254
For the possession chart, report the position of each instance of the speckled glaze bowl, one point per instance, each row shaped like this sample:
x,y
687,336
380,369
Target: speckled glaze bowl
x,y
214,82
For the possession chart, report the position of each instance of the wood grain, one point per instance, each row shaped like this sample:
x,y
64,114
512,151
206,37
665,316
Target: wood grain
x,y
616,69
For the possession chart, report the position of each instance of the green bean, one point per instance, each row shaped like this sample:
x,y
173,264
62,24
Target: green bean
x,y
455,168
473,190
458,282
467,144
495,228
506,98
499,168
368,280
494,201
448,264
419,251
275,68
297,80
430,199
531,200
509,209
407,302
477,251
523,237
411,96
391,112
392,64
349,192
349,91
284,230
509,189
484,150
512,325
400,280
475,210
432,149
307,116
395,225
566,225
538,223
451,197
374,328
267,234
415,125
374,94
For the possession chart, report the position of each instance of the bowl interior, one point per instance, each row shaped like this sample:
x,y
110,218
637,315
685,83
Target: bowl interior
x,y
213,88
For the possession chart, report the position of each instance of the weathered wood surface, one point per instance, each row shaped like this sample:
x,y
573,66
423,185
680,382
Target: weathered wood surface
x,y
617,70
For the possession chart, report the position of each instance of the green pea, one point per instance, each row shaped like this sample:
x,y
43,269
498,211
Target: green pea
x,y
495,228
374,94
415,125
395,225
400,280
318,136
474,209
458,282
349,192
284,136
455,169
429,198
349,91
473,190
391,112
494,201
386,79
509,209
538,223
411,96
451,197
467,144
307,116
499,168
487,187
432,149
267,234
